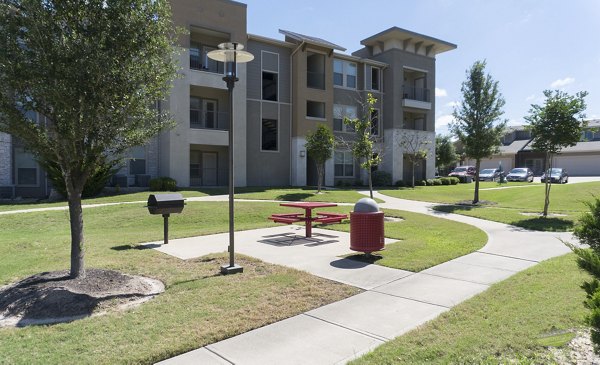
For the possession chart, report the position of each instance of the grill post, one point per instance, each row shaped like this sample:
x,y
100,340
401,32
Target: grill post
x,y
166,224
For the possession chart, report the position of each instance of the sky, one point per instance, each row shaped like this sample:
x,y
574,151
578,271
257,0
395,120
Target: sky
x,y
529,45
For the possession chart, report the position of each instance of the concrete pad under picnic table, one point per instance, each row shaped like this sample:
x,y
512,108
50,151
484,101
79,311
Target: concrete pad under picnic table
x,y
432,289
382,315
297,340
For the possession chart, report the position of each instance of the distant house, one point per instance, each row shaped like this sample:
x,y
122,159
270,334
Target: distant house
x,y
583,159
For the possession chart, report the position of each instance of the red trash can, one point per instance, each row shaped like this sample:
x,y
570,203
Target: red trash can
x,y
366,227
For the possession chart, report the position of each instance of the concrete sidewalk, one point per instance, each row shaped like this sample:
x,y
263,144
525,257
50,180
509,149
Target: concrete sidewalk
x,y
393,303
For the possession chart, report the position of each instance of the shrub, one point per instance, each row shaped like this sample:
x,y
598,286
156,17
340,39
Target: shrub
x,y
446,180
420,182
94,184
437,182
163,184
454,180
381,178
400,184
429,182
588,233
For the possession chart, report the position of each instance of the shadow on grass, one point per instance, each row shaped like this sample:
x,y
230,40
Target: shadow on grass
x,y
549,224
294,196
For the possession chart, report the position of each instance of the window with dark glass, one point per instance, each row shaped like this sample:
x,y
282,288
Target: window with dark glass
x,y
315,109
374,78
343,164
26,168
344,73
269,86
269,135
137,163
375,122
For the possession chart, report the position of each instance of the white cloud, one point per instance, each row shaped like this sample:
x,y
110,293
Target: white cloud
x,y
530,97
452,104
440,92
443,120
562,82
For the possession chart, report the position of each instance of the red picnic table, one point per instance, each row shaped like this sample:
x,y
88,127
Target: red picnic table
x,y
308,217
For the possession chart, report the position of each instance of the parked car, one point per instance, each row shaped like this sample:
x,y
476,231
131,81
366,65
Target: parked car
x,y
557,175
463,171
520,174
489,175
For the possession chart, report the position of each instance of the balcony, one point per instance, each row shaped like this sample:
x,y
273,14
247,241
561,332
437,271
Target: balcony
x,y
416,97
200,119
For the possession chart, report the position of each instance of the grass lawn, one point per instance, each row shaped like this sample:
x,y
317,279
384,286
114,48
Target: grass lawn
x,y
257,193
419,248
507,324
199,306
566,201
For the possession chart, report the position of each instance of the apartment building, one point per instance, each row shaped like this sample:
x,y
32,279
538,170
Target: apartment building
x,y
291,86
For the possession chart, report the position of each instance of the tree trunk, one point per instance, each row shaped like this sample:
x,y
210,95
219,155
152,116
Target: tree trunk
x,y
76,218
413,173
370,183
476,196
320,169
548,185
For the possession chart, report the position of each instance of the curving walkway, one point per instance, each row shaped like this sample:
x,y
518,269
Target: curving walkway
x,y
393,303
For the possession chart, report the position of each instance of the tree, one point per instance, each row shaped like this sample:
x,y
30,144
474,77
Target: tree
x,y
93,69
555,125
415,147
477,124
363,147
445,152
319,145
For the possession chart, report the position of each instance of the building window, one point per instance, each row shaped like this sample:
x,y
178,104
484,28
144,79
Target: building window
x,y
199,59
374,78
315,109
137,163
339,113
344,164
26,169
203,113
315,70
269,86
269,135
375,122
344,74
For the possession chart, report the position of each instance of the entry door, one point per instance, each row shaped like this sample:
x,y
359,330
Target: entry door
x,y
209,168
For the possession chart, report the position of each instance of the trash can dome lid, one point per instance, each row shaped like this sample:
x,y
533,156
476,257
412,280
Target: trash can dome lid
x,y
366,205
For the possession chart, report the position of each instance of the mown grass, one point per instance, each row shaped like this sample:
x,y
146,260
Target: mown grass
x,y
419,248
301,194
517,206
199,306
502,325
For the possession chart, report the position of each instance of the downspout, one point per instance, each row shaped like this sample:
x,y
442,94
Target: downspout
x,y
292,107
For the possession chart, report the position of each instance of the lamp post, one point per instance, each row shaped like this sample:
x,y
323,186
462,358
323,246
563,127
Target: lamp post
x,y
231,54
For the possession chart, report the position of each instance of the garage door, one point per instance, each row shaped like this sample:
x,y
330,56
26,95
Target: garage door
x,y
493,163
579,165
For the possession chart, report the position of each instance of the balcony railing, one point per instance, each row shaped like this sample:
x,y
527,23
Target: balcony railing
x,y
417,93
209,120
315,80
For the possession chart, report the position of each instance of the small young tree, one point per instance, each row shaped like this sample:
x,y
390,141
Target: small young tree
x,y
363,148
319,145
555,125
415,147
587,232
93,69
445,152
477,123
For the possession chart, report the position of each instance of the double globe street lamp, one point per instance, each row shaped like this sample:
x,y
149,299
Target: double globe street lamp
x,y
231,54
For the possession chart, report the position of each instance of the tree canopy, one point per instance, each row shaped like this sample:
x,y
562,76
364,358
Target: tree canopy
x,y
477,122
95,70
445,152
